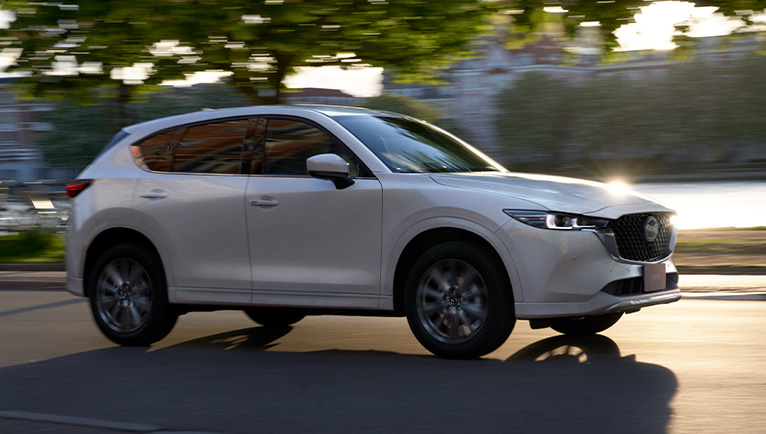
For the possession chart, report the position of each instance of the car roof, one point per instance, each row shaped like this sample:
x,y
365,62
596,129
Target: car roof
x,y
285,110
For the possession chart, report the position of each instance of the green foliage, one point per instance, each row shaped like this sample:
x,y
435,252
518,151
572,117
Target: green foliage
x,y
528,18
259,42
32,246
695,111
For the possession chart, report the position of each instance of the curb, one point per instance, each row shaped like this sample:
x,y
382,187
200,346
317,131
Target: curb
x,y
721,271
32,267
723,295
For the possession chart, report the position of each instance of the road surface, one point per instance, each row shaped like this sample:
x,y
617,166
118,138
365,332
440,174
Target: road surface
x,y
690,367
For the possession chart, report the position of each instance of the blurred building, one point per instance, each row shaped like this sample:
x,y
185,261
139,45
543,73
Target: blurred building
x,y
20,126
470,97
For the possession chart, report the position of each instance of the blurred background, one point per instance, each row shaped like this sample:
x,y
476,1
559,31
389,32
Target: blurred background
x,y
665,98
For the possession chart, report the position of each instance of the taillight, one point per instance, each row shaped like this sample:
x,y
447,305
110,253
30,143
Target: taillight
x,y
73,188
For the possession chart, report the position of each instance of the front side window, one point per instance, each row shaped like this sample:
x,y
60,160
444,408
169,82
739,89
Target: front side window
x,y
409,146
289,143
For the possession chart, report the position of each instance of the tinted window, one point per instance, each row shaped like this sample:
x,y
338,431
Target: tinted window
x,y
255,140
208,148
406,145
211,148
289,143
158,152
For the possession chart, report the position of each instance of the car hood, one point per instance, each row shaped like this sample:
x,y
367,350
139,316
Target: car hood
x,y
556,193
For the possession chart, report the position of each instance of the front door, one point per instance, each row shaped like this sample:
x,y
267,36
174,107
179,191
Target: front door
x,y
306,236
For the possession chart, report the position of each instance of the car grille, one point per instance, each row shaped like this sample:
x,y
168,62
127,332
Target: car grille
x,y
631,239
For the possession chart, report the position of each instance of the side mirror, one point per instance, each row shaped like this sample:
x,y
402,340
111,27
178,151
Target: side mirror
x,y
331,167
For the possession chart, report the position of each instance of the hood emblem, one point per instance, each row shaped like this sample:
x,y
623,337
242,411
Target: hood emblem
x,y
651,228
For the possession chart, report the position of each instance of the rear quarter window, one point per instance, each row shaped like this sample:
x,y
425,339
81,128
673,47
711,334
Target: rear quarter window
x,y
207,148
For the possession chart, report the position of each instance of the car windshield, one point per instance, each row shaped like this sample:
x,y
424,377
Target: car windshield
x,y
410,146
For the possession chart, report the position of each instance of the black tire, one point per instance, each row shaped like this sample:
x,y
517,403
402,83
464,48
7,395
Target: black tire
x,y
128,296
458,301
274,316
589,325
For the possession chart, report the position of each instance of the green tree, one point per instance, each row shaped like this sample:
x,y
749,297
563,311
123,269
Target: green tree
x,y
73,49
259,43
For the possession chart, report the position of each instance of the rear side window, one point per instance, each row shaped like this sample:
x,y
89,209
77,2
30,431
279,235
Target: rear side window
x,y
211,148
158,152
208,148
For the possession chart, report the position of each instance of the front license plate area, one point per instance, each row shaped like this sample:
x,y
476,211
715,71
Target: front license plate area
x,y
654,277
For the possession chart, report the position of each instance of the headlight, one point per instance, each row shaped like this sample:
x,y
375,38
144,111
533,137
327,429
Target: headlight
x,y
555,220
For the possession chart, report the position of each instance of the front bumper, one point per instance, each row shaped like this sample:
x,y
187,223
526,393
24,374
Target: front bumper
x,y
602,303
75,285
573,273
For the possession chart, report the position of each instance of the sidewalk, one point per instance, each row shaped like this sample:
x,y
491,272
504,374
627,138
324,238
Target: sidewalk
x,y
51,277
41,277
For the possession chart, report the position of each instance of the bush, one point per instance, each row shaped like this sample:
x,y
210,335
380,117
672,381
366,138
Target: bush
x,y
32,246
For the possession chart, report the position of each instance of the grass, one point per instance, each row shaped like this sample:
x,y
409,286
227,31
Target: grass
x,y
716,245
751,241
32,246
721,249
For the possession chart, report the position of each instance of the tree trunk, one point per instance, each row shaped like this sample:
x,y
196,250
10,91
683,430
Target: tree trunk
x,y
123,98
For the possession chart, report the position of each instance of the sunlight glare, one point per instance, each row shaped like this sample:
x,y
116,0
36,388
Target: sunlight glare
x,y
654,26
618,187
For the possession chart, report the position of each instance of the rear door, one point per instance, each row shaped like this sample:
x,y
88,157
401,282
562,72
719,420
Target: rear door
x,y
194,198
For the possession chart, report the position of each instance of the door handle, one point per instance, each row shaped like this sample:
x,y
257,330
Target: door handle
x,y
264,202
155,195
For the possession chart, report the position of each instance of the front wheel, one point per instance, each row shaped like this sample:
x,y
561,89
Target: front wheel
x,y
458,301
589,325
128,296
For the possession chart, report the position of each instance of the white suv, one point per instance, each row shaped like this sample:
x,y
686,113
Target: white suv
x,y
287,211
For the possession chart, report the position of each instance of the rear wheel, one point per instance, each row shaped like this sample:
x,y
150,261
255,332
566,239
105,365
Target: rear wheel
x,y
458,301
128,296
274,317
588,325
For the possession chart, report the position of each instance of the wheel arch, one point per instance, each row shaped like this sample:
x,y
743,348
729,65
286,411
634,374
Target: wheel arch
x,y
112,237
435,236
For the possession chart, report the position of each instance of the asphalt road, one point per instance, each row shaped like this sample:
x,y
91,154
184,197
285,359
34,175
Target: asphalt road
x,y
695,366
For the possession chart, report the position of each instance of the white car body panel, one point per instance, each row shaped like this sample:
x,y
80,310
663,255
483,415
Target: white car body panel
x,y
334,249
553,193
181,208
